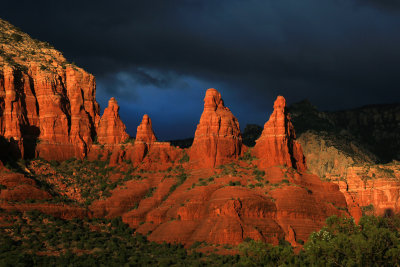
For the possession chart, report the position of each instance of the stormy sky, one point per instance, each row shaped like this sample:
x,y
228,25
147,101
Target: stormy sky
x,y
158,57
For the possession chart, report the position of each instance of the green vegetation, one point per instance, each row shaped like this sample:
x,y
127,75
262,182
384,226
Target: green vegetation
x,y
259,175
150,192
247,156
367,209
229,169
91,179
389,173
181,176
236,183
185,158
129,140
36,239
374,242
203,182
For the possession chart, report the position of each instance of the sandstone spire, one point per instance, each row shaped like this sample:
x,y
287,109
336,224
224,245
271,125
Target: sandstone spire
x,y
111,129
145,131
277,144
217,139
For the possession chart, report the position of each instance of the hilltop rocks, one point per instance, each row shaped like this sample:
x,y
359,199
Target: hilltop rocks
x,y
144,131
111,129
145,152
217,139
277,144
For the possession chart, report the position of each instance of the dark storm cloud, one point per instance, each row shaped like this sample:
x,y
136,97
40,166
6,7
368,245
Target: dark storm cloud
x,y
388,5
337,53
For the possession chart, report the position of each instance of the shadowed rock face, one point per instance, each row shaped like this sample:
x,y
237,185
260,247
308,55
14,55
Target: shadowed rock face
x,y
217,139
277,144
111,129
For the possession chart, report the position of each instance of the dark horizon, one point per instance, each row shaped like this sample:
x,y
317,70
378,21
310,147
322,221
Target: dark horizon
x,y
159,58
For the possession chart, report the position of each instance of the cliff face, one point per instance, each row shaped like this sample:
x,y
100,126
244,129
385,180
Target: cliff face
x,y
331,155
217,139
374,188
47,105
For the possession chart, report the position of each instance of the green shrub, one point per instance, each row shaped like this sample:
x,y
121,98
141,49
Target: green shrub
x,y
236,183
185,158
16,37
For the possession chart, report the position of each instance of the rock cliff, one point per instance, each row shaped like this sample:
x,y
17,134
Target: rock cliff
x,y
47,105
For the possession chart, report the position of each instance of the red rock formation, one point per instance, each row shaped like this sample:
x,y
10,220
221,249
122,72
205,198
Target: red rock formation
x,y
111,129
145,152
19,188
57,109
217,139
375,189
221,214
23,192
145,131
47,106
277,144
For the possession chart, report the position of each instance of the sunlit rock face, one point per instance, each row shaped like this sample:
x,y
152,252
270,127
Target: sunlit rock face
x,y
217,139
277,144
111,129
144,131
47,105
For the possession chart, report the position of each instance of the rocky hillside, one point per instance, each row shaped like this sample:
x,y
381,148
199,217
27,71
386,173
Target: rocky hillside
x,y
357,149
374,129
